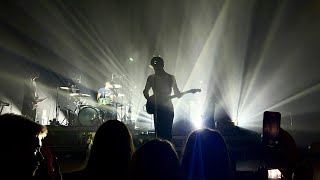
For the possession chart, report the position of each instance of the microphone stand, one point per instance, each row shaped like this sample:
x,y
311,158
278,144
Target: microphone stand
x,y
130,104
112,76
121,112
57,104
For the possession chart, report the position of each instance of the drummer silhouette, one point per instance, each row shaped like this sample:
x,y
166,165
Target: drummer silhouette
x,y
105,99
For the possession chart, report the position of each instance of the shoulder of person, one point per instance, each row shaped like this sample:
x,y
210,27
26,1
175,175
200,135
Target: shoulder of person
x,y
171,76
151,76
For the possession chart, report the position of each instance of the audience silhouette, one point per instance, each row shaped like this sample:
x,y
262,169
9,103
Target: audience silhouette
x,y
284,157
113,155
21,144
206,156
156,159
110,153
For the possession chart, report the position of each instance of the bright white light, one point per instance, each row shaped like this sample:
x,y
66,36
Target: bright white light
x,y
274,174
131,59
196,115
197,123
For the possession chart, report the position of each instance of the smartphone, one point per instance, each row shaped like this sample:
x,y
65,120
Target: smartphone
x,y
271,128
274,174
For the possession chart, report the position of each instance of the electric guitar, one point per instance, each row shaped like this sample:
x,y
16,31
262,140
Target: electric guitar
x,y
35,105
150,105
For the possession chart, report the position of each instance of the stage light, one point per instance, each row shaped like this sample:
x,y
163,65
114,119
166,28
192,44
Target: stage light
x,y
196,115
131,59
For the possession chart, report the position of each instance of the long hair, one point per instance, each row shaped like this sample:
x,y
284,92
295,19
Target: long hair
x,y
111,149
205,156
156,159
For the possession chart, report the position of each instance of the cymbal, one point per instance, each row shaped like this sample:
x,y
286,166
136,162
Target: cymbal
x,y
79,95
67,88
116,86
120,95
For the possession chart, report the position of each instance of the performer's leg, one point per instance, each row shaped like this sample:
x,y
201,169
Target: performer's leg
x,y
156,126
165,124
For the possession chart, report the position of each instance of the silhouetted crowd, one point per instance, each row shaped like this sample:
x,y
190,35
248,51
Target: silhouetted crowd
x,y
113,156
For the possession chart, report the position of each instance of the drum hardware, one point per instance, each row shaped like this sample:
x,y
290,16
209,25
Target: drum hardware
x,y
70,117
116,86
121,95
78,103
79,100
122,111
2,104
79,95
57,108
68,88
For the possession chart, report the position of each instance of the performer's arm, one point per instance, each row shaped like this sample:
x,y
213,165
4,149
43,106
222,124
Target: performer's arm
x,y
98,95
147,88
175,88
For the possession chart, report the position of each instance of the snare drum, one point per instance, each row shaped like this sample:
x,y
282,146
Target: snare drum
x,y
90,116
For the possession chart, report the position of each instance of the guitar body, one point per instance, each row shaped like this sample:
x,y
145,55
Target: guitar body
x,y
150,105
35,105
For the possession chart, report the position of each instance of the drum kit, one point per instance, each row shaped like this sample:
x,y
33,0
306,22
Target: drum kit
x,y
94,115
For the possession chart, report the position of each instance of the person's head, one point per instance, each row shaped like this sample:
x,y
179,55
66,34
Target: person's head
x,y
156,159
112,147
22,139
157,63
108,85
206,156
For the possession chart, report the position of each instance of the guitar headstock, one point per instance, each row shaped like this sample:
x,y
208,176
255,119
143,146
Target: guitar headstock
x,y
194,90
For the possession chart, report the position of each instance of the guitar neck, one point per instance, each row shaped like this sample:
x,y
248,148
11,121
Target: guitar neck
x,y
182,94
175,96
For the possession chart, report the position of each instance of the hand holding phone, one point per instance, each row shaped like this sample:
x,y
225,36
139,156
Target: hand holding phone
x,y
271,128
274,174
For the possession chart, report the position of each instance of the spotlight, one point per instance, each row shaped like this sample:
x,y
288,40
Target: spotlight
x,y
130,59
195,115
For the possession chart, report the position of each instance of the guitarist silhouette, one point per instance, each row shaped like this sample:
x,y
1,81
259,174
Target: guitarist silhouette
x,y
30,99
162,85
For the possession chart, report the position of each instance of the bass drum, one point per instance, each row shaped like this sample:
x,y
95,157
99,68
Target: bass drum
x,y
90,116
